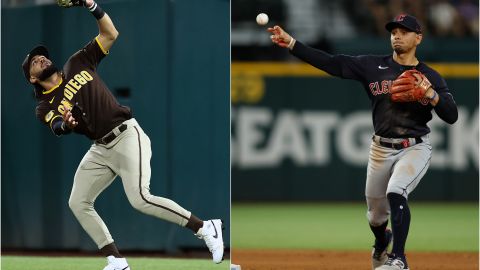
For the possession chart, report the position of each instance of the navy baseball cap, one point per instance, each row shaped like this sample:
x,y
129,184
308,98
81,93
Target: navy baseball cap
x,y
405,21
39,50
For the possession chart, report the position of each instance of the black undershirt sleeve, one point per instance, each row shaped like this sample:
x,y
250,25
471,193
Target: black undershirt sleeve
x,y
446,108
344,66
317,58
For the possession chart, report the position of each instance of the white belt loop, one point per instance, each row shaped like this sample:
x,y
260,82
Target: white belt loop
x,y
116,131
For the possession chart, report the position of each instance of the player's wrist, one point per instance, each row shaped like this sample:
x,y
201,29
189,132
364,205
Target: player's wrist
x,y
89,5
433,96
429,93
96,10
291,43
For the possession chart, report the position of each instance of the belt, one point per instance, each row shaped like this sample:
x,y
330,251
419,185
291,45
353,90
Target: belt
x,y
112,134
396,143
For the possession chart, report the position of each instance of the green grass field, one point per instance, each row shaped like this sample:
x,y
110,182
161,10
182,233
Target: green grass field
x,y
343,226
95,263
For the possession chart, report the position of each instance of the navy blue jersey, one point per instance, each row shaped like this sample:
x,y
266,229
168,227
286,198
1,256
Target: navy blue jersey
x,y
376,73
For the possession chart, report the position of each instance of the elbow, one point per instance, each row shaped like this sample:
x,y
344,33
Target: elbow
x,y
113,35
447,111
453,119
110,35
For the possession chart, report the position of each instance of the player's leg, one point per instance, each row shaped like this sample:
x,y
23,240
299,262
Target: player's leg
x,y
91,178
132,163
134,169
407,173
378,173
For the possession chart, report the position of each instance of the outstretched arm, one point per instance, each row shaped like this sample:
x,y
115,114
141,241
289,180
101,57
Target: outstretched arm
x,y
343,66
107,31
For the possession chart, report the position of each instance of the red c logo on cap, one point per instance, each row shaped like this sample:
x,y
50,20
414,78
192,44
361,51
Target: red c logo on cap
x,y
400,17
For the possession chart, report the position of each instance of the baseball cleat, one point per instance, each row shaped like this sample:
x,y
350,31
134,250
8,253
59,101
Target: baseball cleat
x,y
379,252
116,264
394,263
211,233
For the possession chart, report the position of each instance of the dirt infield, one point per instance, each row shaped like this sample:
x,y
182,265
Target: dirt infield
x,y
343,260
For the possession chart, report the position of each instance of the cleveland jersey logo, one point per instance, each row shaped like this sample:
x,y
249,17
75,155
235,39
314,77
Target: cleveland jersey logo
x,y
380,88
71,88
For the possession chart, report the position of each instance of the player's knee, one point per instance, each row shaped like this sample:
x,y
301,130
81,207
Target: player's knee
x,y
377,218
139,204
75,205
139,201
378,211
72,203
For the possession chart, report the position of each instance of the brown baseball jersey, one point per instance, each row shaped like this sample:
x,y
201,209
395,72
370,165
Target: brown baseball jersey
x,y
82,90
98,113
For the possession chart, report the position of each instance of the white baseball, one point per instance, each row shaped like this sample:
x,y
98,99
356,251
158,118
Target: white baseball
x,y
262,19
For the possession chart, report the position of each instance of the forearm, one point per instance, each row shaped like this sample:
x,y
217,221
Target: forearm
x,y
317,58
433,96
446,108
107,31
106,28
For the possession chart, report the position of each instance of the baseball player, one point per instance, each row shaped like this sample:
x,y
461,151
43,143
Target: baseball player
x,y
403,91
76,100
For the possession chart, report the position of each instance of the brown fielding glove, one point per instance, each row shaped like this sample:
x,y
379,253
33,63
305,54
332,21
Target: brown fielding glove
x,y
410,86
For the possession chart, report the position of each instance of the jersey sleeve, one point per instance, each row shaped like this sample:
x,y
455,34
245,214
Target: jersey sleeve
x,y
446,107
344,66
51,118
91,54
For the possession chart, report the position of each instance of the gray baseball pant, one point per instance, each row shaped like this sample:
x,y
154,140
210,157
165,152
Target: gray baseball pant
x,y
393,171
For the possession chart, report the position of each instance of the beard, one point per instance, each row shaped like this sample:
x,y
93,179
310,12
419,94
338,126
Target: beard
x,y
399,50
46,73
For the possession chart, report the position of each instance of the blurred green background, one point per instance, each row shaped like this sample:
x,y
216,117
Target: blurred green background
x,y
343,226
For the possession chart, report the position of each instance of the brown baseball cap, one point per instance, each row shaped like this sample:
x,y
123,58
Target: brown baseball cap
x,y
405,21
39,50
